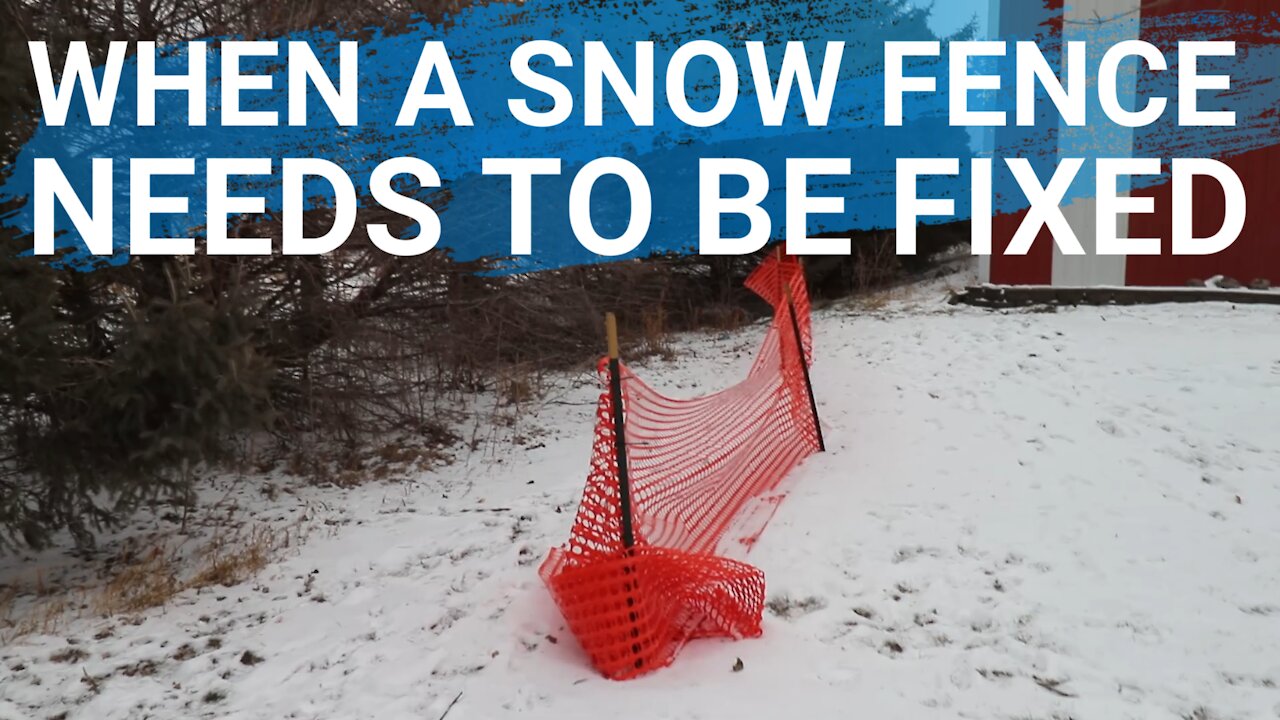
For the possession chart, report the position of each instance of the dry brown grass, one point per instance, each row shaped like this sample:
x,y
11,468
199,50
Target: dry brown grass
x,y
7,597
410,456
44,618
227,560
385,462
349,466
147,583
874,301
518,384
656,333
880,298
721,317
149,579
231,561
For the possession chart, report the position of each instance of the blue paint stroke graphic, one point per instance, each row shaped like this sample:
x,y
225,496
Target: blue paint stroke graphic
x,y
475,210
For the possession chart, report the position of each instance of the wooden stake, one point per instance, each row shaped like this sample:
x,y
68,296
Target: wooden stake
x,y
611,331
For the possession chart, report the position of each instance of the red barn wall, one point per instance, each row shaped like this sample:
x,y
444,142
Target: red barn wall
x,y
1023,18
1256,254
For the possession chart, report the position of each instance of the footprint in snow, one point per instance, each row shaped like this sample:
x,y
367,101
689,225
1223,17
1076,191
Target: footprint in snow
x,y
787,608
1111,428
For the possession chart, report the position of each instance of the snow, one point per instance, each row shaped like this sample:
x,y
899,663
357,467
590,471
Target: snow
x,y
1021,515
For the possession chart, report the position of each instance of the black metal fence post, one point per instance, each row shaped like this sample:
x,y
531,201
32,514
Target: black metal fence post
x,y
804,365
619,431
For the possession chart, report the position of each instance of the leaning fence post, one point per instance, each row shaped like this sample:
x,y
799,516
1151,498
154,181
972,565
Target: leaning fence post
x,y
624,484
804,364
619,431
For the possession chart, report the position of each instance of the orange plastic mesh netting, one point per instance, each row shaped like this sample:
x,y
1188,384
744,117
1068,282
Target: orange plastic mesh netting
x,y
704,477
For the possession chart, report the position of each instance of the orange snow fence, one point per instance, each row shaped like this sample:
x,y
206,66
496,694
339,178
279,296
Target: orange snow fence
x,y
704,477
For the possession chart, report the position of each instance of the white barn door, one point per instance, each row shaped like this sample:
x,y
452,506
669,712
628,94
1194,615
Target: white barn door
x,y
1101,24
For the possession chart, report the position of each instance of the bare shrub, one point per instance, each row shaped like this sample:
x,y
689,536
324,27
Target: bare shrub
x,y
115,385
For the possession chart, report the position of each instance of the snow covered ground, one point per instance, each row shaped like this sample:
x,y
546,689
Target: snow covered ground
x,y
1021,515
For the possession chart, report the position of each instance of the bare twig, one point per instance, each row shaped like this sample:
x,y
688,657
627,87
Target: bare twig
x,y
455,702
